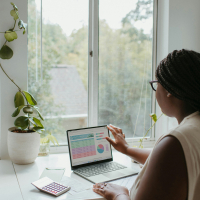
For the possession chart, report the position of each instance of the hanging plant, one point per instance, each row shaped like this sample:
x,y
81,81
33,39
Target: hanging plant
x,y
23,100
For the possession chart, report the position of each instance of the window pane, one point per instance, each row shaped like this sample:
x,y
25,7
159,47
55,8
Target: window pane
x,y
125,64
59,80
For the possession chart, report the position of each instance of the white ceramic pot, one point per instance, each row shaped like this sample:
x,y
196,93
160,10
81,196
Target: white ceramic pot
x,y
23,148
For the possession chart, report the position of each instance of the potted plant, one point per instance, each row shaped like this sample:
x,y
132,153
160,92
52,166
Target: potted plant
x,y
23,139
45,144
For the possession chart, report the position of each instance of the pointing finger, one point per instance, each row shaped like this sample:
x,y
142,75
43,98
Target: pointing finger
x,y
112,131
112,142
117,129
114,127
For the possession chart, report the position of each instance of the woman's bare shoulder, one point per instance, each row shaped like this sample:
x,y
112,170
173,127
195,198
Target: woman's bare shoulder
x,y
166,175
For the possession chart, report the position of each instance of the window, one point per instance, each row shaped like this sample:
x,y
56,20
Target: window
x,y
89,63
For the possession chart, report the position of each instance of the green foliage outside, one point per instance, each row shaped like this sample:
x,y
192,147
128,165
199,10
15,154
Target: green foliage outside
x,y
125,62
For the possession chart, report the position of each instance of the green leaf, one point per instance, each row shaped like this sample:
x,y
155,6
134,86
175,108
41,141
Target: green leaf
x,y
32,122
153,117
14,6
6,52
44,140
50,137
23,25
55,140
18,100
10,36
15,14
21,122
36,108
38,122
38,129
30,98
17,111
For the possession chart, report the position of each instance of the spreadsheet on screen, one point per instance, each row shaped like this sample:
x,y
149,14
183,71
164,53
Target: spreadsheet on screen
x,y
89,145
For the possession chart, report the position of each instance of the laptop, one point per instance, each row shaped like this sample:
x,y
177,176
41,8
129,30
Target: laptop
x,y
91,155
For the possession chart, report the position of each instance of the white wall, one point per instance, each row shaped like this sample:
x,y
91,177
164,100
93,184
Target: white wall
x,y
178,28
184,31
16,68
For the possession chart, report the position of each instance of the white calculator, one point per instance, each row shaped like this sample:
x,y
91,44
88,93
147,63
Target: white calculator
x,y
49,186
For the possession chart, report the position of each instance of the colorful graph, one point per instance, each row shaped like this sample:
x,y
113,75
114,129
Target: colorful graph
x,y
83,148
100,148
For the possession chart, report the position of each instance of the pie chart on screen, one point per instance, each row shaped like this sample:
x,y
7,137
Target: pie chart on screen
x,y
100,148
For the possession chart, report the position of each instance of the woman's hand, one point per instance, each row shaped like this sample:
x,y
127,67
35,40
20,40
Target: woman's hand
x,y
111,191
120,143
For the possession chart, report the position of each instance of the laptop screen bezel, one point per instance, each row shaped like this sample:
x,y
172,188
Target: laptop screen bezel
x,y
92,163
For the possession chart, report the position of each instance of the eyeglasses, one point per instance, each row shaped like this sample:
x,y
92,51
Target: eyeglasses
x,y
154,85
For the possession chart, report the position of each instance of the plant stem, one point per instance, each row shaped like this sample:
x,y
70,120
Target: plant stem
x,y
5,43
4,70
149,130
28,123
9,77
14,25
14,83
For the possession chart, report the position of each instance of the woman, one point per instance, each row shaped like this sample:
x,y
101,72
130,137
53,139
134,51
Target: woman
x,y
172,170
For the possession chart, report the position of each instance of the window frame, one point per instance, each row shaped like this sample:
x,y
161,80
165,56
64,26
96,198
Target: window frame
x,y
93,68
93,73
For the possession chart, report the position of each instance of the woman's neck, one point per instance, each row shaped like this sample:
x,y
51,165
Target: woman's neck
x,y
184,113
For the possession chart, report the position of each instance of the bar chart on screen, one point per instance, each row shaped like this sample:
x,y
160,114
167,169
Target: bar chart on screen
x,y
100,136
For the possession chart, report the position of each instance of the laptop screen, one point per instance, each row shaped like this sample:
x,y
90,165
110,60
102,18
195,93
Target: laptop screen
x,y
88,145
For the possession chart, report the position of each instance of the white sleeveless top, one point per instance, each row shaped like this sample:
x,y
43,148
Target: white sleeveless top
x,y
188,134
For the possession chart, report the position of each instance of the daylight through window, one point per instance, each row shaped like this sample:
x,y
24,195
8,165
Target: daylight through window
x,y
58,53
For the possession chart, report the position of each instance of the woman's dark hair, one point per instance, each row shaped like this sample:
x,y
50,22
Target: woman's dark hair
x,y
179,74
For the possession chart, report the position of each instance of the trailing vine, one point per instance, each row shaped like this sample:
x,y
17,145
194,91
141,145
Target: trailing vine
x,y
23,100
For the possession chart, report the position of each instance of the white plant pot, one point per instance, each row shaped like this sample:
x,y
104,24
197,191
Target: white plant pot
x,y
23,148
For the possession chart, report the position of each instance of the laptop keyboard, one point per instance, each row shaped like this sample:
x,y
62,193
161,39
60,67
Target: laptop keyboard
x,y
99,169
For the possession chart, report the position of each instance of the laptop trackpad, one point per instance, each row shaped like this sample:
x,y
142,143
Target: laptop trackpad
x,y
113,174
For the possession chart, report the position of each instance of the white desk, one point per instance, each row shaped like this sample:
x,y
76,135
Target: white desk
x,y
29,173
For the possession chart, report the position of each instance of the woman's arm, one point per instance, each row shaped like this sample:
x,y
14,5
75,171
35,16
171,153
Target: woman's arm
x,y
166,175
120,144
140,155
